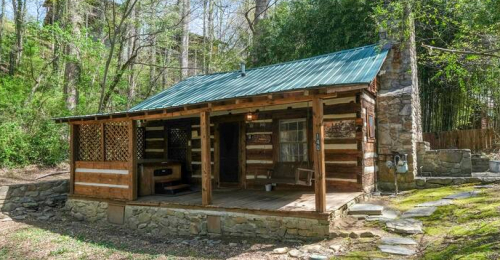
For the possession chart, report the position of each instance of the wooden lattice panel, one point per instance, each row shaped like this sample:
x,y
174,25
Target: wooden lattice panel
x,y
89,142
141,142
116,141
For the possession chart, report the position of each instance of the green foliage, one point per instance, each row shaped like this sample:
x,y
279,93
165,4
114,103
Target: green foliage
x,y
304,28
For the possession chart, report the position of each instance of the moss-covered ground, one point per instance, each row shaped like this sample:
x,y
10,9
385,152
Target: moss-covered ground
x,y
467,229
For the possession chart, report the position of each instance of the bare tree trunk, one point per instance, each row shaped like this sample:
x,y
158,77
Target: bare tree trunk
x,y
205,3
72,66
131,45
260,13
2,14
210,33
19,10
185,8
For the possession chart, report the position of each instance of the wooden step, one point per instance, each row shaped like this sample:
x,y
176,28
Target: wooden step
x,y
176,187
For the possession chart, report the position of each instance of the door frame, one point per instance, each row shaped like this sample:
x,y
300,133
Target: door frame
x,y
241,152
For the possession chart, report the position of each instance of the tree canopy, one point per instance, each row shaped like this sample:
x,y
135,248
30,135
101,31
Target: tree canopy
x,y
69,57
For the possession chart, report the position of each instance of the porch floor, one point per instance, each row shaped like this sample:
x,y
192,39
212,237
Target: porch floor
x,y
257,199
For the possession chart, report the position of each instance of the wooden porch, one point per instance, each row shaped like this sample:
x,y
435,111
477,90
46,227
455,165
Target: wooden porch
x,y
236,198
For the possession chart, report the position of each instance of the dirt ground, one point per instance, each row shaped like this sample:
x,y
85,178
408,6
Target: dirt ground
x,y
33,173
69,239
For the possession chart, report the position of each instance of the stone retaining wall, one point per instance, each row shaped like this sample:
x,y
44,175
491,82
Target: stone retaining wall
x,y
18,199
480,163
447,163
164,221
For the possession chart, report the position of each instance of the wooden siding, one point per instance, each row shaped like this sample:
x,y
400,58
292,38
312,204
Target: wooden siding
x,y
369,159
343,155
106,180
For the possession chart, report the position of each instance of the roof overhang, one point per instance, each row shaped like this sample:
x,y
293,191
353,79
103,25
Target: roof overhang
x,y
269,99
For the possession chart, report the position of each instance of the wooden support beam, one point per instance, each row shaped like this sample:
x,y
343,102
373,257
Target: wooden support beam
x,y
319,155
73,154
132,160
206,171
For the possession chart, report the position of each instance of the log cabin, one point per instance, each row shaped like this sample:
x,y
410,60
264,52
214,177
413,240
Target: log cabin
x,y
276,151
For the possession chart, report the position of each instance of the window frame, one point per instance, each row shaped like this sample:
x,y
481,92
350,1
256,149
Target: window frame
x,y
370,127
305,142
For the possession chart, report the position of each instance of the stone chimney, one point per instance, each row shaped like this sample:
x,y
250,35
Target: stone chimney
x,y
399,127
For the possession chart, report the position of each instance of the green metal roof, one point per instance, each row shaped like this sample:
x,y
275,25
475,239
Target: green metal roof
x,y
354,66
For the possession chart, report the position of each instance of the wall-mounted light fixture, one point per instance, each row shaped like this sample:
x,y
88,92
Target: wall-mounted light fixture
x,y
251,116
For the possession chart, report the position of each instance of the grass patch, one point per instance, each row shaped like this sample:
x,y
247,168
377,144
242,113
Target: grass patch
x,y
31,242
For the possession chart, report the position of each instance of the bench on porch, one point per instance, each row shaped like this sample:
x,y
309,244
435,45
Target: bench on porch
x,y
289,174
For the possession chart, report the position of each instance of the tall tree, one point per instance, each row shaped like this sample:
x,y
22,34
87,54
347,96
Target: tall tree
x,y
184,57
72,66
19,11
2,14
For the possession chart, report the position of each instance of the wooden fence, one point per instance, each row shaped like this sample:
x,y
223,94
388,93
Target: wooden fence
x,y
477,140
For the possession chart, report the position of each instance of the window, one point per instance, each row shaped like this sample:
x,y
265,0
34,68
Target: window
x,y
371,126
293,140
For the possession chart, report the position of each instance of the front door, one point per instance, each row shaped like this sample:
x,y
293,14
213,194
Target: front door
x,y
229,150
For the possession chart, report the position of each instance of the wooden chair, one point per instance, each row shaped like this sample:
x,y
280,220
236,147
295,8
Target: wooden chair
x,y
282,174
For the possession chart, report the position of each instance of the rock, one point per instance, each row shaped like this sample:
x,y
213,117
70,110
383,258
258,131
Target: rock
x,y
78,216
336,248
44,217
436,203
318,257
280,250
294,253
353,235
366,234
141,226
30,205
20,217
312,248
233,244
396,250
405,226
398,241
387,215
462,195
365,209
419,212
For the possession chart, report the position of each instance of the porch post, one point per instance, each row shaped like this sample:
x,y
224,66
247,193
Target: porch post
x,y
206,175
319,155
132,159
73,146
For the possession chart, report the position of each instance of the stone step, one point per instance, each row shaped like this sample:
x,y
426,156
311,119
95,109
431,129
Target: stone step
x,y
419,212
462,195
397,250
405,226
365,209
387,215
436,203
398,241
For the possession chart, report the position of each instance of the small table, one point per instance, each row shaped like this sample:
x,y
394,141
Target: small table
x,y
148,180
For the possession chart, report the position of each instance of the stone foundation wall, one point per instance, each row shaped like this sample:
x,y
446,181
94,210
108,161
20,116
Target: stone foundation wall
x,y
164,221
447,163
18,199
87,210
